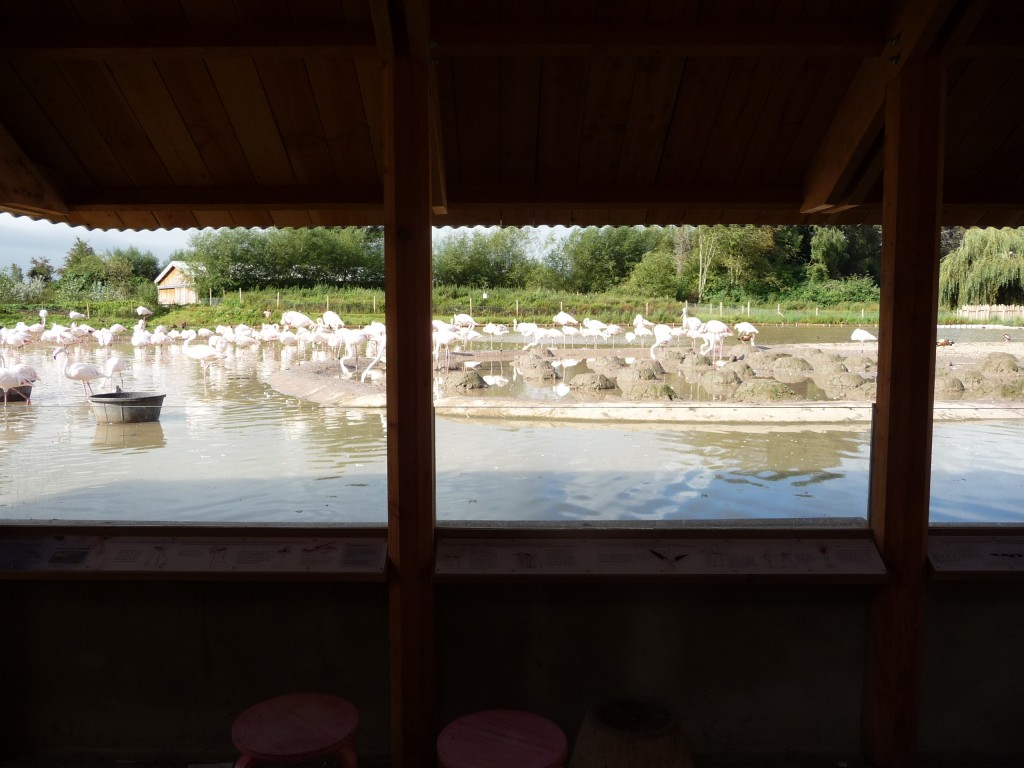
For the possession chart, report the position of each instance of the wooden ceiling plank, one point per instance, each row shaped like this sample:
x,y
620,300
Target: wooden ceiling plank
x,y
622,195
339,102
970,102
655,99
176,219
242,197
22,187
999,156
371,90
590,40
286,219
290,95
590,217
626,217
144,90
563,85
140,221
702,90
738,119
790,94
202,111
154,42
254,219
478,118
74,125
252,118
520,87
101,96
609,93
34,131
858,120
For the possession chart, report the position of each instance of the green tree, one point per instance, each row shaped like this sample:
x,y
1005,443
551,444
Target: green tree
x,y
42,269
657,274
82,266
495,258
593,259
987,268
828,253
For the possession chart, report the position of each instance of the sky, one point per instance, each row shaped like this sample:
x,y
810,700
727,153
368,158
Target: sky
x,y
22,238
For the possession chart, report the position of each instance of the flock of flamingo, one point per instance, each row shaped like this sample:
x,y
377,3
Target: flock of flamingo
x,y
348,344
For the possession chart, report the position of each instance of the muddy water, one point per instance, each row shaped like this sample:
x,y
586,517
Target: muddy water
x,y
228,449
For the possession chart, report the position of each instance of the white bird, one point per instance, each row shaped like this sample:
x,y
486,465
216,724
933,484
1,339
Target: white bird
x,y
204,353
745,332
662,338
17,375
564,318
332,320
114,365
83,372
859,334
462,320
143,312
76,315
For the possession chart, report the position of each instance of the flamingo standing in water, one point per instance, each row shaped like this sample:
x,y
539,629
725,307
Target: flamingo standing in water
x,y
83,372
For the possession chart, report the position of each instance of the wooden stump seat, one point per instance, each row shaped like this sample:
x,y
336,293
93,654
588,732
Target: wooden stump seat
x,y
501,738
297,726
631,731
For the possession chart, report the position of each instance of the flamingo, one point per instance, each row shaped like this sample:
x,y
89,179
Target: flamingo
x,y
76,315
662,338
332,320
15,376
204,353
143,312
83,372
859,334
745,332
462,320
114,365
564,319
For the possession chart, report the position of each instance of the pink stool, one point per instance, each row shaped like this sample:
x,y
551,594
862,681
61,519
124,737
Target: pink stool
x,y
299,726
501,738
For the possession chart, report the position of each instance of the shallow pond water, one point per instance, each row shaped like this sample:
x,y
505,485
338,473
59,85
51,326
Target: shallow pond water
x,y
229,449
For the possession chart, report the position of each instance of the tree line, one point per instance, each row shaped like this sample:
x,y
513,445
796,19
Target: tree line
x,y
819,265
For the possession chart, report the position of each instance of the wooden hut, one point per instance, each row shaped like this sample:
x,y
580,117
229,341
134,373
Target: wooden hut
x,y
413,113
175,284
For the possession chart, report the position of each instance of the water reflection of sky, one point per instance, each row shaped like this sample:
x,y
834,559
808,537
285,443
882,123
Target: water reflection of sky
x,y
229,449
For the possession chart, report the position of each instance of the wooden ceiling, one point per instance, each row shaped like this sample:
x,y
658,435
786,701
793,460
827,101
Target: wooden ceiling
x,y
149,114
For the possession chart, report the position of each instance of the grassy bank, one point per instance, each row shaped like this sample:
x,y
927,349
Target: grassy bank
x,y
360,306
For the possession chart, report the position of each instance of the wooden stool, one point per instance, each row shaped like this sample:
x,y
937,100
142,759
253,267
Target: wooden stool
x,y
501,738
631,731
299,726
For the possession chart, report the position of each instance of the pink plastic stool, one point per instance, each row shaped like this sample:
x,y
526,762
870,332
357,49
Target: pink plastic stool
x,y
501,738
298,726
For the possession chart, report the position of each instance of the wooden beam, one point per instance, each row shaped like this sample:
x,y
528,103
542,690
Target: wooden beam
x,y
489,40
902,434
23,187
610,196
170,198
858,121
151,42
410,438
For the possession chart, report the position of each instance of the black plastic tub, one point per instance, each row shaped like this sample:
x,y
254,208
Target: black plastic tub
x,y
20,394
126,407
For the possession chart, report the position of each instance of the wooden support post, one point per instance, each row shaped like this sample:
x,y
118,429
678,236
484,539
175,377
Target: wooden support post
x,y
901,447
410,438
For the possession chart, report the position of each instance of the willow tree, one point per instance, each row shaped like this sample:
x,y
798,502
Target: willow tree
x,y
987,268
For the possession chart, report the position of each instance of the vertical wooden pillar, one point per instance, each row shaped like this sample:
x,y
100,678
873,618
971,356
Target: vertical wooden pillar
x,y
901,450
410,438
